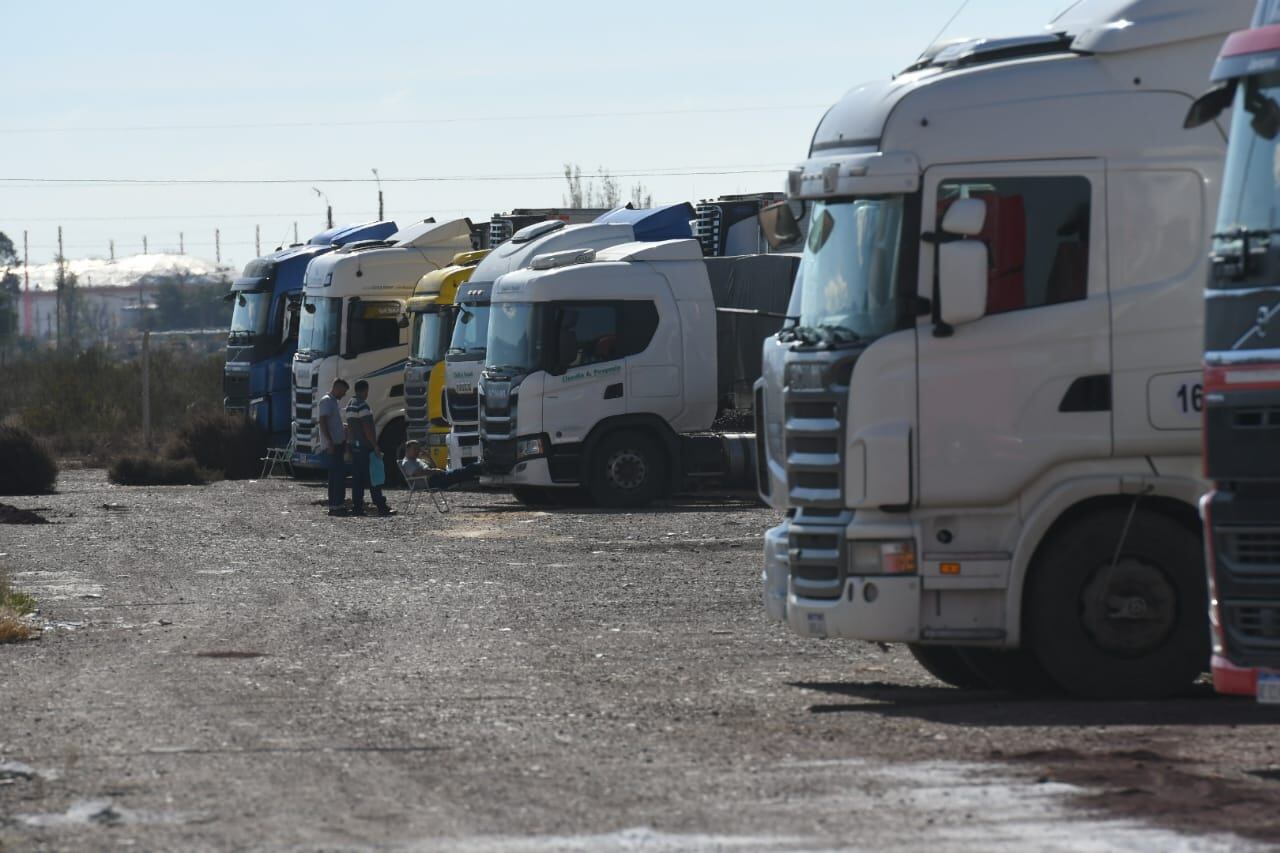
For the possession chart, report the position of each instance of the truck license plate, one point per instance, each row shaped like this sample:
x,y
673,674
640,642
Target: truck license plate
x,y
1269,688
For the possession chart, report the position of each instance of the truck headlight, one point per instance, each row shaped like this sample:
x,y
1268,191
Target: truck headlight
x,y
527,448
882,558
805,376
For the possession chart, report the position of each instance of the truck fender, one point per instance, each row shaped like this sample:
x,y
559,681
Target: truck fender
x,y
1077,497
650,424
383,419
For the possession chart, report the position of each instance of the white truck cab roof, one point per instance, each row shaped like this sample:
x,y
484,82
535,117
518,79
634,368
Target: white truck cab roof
x,y
396,263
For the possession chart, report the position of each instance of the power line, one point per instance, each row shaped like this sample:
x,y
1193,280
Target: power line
x,y
675,172
415,121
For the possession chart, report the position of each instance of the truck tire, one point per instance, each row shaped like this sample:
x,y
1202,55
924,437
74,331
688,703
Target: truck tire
x,y
391,443
627,469
1011,670
945,664
532,495
1135,629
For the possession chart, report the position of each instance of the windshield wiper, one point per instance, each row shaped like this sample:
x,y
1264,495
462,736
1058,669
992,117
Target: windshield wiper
x,y
806,335
827,334
837,335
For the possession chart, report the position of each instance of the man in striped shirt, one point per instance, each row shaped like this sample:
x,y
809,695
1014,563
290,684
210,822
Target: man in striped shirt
x,y
363,443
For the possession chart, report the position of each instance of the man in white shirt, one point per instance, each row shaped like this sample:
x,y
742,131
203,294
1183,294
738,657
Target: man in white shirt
x,y
333,443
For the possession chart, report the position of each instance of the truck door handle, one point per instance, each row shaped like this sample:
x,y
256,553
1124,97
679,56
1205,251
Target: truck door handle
x,y
613,392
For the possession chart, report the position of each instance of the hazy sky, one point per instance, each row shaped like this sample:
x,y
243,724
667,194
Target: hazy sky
x,y
275,90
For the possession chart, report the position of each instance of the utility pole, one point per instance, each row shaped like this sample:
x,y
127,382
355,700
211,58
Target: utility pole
x,y
295,233
146,388
145,250
217,245
182,249
257,241
26,293
327,205
60,284
113,249
379,180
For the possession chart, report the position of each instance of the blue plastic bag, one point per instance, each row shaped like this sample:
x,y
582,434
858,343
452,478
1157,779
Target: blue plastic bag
x,y
377,471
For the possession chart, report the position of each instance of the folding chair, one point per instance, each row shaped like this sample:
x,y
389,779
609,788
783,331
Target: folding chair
x,y
278,456
421,483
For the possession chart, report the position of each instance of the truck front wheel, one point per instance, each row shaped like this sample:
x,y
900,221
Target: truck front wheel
x,y
1118,606
945,664
628,469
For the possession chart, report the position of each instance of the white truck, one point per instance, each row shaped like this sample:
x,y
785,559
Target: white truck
x,y
465,355
613,370
984,427
351,328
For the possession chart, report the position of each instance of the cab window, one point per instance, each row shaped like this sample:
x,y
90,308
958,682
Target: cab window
x,y
593,332
1037,237
372,326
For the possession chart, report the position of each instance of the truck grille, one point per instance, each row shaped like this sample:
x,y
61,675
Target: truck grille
x,y
814,430
1255,546
415,410
463,408
817,554
235,388
1254,627
303,417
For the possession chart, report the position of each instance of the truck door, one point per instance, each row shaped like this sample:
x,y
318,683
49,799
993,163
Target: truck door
x,y
587,382
1028,385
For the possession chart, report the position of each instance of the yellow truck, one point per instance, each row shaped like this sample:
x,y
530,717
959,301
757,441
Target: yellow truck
x,y
430,316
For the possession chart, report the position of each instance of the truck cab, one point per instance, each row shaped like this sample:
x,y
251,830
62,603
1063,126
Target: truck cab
x,y
431,314
265,301
351,326
1242,367
465,356
611,370
983,426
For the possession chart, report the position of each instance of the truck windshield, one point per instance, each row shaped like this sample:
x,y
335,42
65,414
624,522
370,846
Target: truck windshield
x,y
848,277
1243,246
514,341
470,330
428,339
320,331
249,314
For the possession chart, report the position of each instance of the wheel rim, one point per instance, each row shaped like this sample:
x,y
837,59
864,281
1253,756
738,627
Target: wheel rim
x,y
626,470
1130,608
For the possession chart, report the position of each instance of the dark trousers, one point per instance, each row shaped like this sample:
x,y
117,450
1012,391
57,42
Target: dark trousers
x,y
337,476
360,481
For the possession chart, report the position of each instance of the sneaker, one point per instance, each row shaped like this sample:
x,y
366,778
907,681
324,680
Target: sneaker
x,y
384,511
358,512
338,511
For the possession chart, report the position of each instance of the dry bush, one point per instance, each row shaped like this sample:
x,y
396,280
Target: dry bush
x,y
13,606
13,628
151,471
26,465
89,404
218,441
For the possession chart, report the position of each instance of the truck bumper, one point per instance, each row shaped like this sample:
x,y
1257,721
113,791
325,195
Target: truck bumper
x,y
883,608
824,599
1233,680
776,577
531,472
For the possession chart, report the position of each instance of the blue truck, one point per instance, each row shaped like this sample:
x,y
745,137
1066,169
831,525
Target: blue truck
x,y
265,301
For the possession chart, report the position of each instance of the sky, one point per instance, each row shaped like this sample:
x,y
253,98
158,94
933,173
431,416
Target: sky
x,y
691,100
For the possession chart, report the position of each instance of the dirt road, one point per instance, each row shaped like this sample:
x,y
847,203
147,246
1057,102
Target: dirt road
x,y
225,667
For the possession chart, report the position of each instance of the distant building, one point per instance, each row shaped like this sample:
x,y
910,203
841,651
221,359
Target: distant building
x,y
112,295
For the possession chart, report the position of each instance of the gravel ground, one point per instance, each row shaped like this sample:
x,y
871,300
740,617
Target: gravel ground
x,y
226,667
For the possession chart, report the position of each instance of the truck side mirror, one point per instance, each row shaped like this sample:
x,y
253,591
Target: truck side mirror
x,y
1210,105
780,224
962,263
403,322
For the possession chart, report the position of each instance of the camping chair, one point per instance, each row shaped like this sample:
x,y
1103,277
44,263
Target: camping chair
x,y
422,483
278,456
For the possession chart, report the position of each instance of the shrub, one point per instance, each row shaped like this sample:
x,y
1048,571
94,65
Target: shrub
x,y
14,606
218,441
149,471
26,465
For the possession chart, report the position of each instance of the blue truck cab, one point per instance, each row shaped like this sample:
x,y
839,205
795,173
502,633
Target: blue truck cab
x,y
265,302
